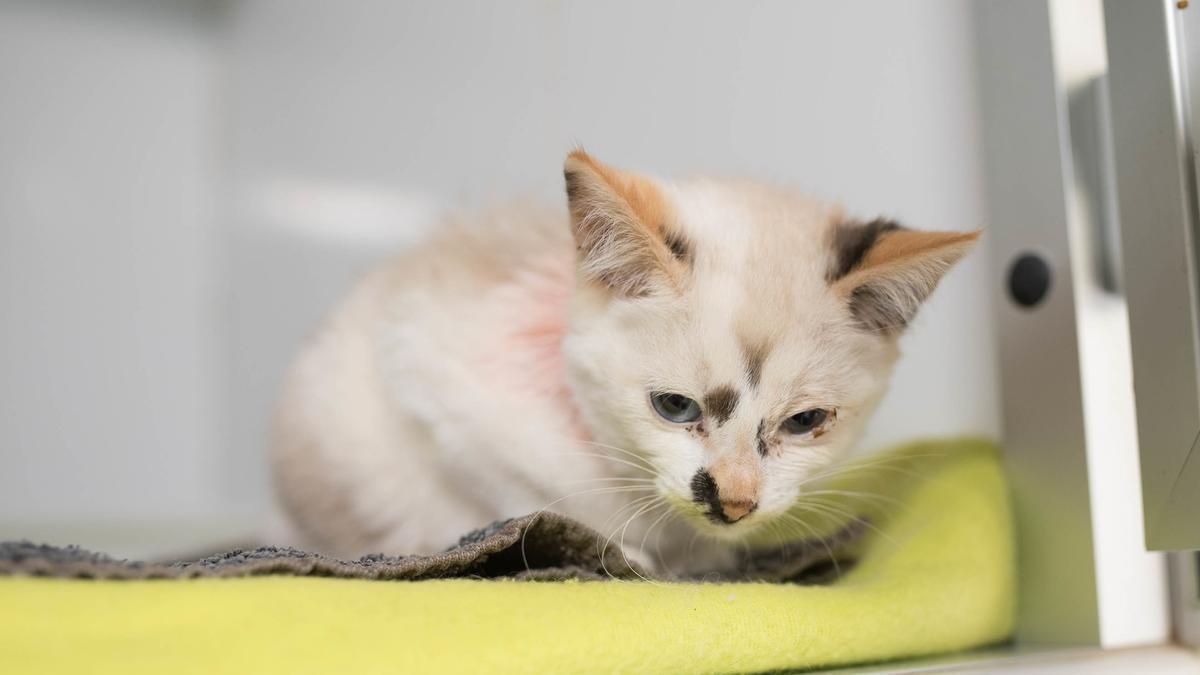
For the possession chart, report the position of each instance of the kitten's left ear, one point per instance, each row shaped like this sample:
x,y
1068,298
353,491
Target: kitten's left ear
x,y
886,271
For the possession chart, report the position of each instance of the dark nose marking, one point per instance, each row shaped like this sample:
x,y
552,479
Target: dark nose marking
x,y
720,403
705,492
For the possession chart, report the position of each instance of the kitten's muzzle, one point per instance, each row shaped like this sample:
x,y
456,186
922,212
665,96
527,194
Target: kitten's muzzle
x,y
707,493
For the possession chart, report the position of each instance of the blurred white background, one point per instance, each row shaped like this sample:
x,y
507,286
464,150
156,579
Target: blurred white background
x,y
186,187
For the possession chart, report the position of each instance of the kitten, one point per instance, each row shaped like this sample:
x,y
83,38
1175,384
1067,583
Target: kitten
x,y
672,359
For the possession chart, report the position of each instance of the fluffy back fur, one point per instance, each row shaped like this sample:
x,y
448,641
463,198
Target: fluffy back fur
x,y
688,356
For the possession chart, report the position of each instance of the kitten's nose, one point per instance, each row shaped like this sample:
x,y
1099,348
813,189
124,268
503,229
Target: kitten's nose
x,y
736,510
727,501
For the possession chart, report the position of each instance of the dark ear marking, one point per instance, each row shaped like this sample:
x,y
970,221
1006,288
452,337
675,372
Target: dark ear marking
x,y
851,241
755,355
571,179
679,245
720,403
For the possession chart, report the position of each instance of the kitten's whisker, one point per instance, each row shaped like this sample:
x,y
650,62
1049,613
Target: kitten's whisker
x,y
787,541
861,463
539,512
658,552
641,504
641,468
839,472
621,542
611,479
835,507
692,543
838,514
653,525
776,529
625,451
629,455
837,568
854,494
602,548
745,548
632,504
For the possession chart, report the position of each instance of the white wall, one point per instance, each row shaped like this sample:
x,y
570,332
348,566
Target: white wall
x,y
146,324
379,108
109,322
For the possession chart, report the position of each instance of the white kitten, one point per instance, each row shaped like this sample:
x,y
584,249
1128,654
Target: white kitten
x,y
699,349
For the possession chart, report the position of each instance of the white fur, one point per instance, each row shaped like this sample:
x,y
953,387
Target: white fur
x,y
424,407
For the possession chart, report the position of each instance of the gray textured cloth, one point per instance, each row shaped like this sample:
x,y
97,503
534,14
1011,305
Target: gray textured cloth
x,y
536,547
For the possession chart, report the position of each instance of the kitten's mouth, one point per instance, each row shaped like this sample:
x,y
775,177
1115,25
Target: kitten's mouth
x,y
720,528
725,514
716,524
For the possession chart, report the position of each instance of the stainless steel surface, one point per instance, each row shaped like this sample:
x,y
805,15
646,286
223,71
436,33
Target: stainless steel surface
x,y
1160,660
1091,134
1028,160
987,658
1148,77
1185,597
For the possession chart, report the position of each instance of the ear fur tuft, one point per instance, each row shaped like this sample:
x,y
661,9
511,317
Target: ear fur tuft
x,y
620,223
896,273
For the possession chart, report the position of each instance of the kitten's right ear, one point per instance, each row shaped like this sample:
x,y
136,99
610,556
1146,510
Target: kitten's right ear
x,y
622,229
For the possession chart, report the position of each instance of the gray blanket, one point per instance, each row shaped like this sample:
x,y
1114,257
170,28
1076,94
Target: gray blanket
x,y
534,547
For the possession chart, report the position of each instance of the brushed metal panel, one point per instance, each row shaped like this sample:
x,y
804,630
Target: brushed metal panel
x,y
1148,75
1027,152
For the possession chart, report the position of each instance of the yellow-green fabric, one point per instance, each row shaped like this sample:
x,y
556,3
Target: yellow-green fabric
x,y
937,575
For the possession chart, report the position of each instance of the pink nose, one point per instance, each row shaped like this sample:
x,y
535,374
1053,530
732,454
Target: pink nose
x,y
736,510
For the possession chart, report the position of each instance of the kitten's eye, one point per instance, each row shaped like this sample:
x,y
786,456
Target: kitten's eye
x,y
805,422
675,408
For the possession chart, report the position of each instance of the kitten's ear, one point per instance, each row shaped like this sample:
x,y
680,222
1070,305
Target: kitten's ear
x,y
621,225
886,271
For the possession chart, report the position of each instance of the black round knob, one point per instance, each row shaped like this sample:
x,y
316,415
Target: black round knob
x,y
1029,280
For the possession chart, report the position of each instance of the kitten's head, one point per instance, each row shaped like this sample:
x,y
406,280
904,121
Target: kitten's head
x,y
735,336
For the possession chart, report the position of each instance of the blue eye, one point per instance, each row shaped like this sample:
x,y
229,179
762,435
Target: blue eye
x,y
675,408
805,422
